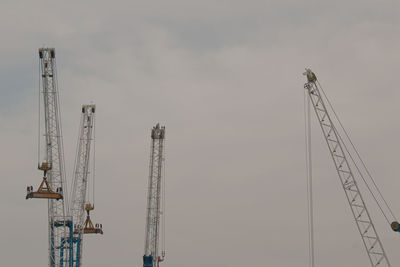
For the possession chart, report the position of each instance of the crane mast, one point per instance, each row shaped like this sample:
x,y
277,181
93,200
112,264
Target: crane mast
x,y
80,183
369,235
151,256
58,223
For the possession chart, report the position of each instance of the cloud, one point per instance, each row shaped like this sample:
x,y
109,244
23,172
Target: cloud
x,y
225,78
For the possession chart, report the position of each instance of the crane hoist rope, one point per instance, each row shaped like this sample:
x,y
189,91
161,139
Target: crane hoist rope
x,y
163,212
94,162
39,118
308,155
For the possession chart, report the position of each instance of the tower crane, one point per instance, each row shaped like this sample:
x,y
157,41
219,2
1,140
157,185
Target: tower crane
x,y
59,225
65,240
337,148
151,256
80,184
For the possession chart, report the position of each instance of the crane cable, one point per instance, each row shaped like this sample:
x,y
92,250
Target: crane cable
x,y
310,213
73,185
94,154
38,155
163,203
64,184
361,160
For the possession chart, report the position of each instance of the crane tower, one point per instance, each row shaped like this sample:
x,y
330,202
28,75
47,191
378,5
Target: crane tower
x,y
151,256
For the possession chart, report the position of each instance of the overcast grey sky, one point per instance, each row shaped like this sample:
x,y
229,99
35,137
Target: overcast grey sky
x,y
225,78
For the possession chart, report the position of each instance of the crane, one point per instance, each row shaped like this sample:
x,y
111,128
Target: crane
x,y
337,148
66,226
59,225
80,184
151,256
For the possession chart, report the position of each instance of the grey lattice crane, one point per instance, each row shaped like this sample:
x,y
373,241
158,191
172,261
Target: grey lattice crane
x,y
80,207
369,235
66,226
151,256
60,226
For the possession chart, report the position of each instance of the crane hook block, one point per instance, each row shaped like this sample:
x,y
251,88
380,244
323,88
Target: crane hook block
x,y
89,228
45,166
395,226
89,206
44,191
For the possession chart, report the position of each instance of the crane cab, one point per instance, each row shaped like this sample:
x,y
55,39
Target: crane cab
x,y
44,190
89,207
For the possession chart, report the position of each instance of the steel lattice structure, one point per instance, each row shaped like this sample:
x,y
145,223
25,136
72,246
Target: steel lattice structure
x,y
59,226
370,238
151,255
81,172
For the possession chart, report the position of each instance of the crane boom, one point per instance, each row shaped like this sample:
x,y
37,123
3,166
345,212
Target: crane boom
x,y
369,235
81,171
58,223
151,256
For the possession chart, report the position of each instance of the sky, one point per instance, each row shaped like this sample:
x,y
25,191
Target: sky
x,y
225,78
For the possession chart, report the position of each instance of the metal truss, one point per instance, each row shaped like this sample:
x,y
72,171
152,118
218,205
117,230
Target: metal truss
x,y
58,228
151,257
370,238
81,171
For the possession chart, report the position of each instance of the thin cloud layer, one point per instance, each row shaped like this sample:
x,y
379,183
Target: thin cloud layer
x,y
225,79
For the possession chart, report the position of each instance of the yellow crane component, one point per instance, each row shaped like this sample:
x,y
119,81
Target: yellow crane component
x,y
89,227
44,190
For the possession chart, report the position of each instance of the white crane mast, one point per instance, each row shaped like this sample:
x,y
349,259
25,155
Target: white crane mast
x,y
370,238
54,155
151,256
81,172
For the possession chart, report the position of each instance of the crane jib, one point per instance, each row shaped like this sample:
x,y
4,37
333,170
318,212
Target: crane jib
x,y
361,215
